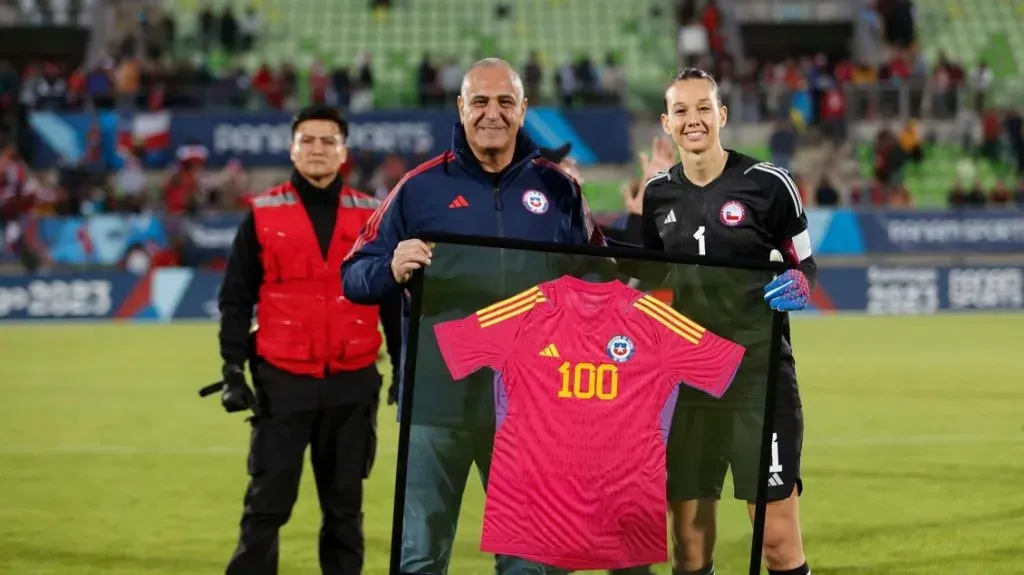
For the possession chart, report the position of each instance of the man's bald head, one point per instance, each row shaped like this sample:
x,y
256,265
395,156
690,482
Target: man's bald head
x,y
492,107
493,64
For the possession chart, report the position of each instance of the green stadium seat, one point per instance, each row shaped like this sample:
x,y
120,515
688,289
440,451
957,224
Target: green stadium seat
x,y
970,31
930,181
337,32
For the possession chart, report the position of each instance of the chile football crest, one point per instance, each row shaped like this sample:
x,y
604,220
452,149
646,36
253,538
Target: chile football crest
x,y
620,348
733,213
535,201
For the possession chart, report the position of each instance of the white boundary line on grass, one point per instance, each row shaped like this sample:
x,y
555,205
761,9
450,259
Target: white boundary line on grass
x,y
894,440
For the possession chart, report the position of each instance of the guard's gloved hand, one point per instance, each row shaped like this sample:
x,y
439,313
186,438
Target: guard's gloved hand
x,y
396,374
237,395
788,292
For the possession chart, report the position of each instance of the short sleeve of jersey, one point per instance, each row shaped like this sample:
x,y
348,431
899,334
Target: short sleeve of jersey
x,y
484,338
689,352
786,218
651,239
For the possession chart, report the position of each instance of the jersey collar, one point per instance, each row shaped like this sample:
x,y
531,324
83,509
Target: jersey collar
x,y
560,296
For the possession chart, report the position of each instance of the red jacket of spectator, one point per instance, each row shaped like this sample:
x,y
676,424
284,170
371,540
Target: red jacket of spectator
x,y
17,192
307,326
899,68
181,187
319,81
844,72
990,126
833,104
877,194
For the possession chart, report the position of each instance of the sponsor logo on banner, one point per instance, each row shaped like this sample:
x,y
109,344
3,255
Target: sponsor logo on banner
x,y
211,237
901,291
942,231
951,230
263,138
986,288
207,239
76,298
251,139
244,139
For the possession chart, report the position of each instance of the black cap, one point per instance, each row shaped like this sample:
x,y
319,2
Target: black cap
x,y
556,155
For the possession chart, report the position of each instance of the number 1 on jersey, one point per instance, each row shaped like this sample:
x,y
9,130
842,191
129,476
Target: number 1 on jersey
x,y
699,236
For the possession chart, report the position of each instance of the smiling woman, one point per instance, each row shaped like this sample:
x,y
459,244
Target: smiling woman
x,y
720,203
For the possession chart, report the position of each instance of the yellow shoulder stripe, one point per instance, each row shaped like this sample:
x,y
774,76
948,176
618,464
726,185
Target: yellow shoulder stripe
x,y
510,307
683,326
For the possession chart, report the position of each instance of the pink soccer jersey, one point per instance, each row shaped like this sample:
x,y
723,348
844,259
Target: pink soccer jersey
x,y
589,374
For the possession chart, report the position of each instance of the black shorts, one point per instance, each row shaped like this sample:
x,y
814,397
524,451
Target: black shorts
x,y
706,441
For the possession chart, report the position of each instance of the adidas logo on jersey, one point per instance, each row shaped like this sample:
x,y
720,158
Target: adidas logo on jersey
x,y
671,217
775,480
459,202
550,351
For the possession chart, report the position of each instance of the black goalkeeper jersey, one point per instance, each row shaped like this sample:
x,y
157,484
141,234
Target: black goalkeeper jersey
x,y
753,208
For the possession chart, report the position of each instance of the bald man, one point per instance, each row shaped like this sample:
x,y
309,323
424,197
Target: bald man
x,y
491,183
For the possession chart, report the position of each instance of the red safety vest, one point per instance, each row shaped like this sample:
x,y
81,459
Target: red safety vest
x,y
307,327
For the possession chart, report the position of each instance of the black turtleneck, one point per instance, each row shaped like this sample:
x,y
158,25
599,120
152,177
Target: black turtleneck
x,y
243,276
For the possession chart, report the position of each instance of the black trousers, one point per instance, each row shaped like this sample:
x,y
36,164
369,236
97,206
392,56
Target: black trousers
x,y
342,439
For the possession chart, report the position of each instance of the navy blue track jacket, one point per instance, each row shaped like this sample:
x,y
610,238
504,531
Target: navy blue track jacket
x,y
532,199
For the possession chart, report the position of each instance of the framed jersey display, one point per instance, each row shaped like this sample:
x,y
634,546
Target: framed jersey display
x,y
563,375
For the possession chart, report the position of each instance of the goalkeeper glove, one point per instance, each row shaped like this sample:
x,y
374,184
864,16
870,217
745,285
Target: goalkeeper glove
x,y
788,292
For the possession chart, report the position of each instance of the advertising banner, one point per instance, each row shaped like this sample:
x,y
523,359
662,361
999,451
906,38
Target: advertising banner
x,y
987,231
79,296
195,292
903,290
884,232
260,139
205,239
162,295
107,239
167,294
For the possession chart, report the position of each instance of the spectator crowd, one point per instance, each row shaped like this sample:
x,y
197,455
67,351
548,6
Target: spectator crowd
x,y
804,95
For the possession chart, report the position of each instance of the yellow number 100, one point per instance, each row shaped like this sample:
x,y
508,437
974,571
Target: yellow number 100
x,y
588,380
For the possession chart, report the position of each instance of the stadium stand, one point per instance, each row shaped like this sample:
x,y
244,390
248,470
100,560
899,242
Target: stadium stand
x,y
943,165
337,33
988,30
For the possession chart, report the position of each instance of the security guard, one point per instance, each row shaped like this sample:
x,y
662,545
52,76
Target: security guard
x,y
316,381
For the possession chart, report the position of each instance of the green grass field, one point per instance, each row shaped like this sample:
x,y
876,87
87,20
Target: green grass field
x,y
110,464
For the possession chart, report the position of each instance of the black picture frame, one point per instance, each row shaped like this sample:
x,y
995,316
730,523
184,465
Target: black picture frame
x,y
415,287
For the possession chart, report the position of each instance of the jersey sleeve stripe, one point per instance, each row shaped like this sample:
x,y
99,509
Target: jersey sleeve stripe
x,y
500,315
683,330
656,177
786,181
372,227
519,297
684,333
673,314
